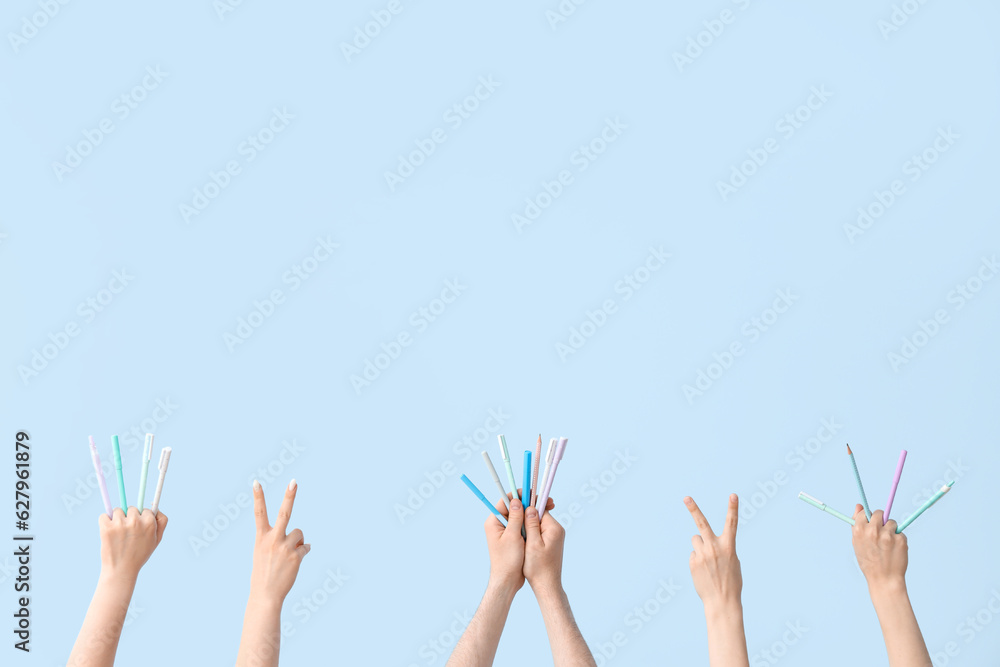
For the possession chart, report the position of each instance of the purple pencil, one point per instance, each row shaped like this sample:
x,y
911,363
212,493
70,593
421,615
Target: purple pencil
x,y
543,496
895,483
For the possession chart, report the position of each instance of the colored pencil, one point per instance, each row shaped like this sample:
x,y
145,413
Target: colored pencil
x,y
861,488
534,473
895,483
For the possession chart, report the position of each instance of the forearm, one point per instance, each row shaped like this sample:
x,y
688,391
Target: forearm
x,y
903,641
478,644
569,649
97,642
261,639
727,642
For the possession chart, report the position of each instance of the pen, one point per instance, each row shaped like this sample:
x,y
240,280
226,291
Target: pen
x,y
926,506
100,477
162,465
121,478
895,483
548,462
147,453
479,494
861,489
527,475
819,504
510,471
543,497
496,478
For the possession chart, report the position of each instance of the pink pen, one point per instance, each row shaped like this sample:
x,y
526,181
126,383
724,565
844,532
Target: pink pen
x,y
543,497
100,476
895,483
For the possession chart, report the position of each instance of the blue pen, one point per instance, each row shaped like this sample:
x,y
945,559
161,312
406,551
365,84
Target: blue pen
x,y
479,494
527,474
121,478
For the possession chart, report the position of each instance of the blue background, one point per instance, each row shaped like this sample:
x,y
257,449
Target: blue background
x,y
495,347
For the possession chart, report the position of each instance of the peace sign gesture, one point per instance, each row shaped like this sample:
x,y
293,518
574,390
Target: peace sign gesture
x,y
714,565
276,556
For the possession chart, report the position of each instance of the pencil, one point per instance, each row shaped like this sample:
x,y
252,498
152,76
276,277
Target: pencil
x,y
895,483
534,472
861,488
496,478
819,504
479,494
926,506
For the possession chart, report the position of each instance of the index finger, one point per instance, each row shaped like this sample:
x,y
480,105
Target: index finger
x,y
732,517
285,512
260,509
699,519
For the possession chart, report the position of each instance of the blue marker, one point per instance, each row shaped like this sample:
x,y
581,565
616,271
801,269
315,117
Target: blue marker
x,y
479,494
527,475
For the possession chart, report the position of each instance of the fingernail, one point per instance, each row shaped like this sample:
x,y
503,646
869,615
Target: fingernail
x,y
256,485
732,497
531,511
291,485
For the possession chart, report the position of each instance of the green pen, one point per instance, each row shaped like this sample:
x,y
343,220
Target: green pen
x,y
926,506
147,454
121,478
510,471
819,504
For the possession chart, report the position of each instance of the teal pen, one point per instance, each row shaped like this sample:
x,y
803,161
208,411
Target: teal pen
x,y
926,506
861,488
819,504
147,453
510,471
121,477
479,494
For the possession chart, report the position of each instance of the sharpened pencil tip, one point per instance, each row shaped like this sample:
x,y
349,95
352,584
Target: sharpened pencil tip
x,y
849,450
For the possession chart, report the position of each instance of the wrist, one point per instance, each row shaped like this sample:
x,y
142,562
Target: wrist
x,y
503,588
717,609
548,590
887,590
118,576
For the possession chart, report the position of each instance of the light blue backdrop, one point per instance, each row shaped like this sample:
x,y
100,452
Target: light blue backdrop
x,y
618,123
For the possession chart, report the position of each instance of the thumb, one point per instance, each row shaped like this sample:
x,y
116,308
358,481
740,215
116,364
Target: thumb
x,y
516,517
532,526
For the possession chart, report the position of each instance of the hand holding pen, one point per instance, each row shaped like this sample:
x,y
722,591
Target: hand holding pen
x,y
127,541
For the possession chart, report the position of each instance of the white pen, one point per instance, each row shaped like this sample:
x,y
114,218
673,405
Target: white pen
x,y
543,496
510,471
496,478
147,454
162,465
548,463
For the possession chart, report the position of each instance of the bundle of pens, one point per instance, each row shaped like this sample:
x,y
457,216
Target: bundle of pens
x,y
531,493
888,505
147,454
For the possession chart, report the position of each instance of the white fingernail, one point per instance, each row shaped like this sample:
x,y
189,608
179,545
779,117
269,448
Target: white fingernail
x,y
256,485
291,485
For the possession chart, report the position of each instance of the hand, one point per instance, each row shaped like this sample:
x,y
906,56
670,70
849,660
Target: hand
x,y
714,565
276,556
882,554
127,542
543,551
506,546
